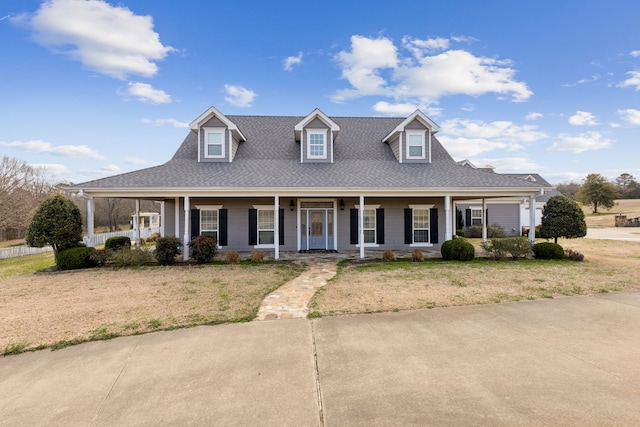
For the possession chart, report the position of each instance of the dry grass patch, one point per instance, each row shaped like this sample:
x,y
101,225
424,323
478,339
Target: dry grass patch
x,y
606,217
372,287
54,309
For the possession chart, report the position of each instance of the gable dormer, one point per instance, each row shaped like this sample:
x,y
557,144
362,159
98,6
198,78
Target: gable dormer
x,y
218,137
316,134
410,141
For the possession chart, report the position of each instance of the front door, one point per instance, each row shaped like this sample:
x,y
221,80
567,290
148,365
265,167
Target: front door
x,y
317,229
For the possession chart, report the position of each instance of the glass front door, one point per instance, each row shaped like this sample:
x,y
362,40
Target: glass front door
x,y
316,225
317,231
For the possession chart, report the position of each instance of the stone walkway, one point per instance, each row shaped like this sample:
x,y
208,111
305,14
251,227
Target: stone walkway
x,y
291,300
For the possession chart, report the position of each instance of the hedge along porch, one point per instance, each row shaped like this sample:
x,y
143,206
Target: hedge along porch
x,y
311,182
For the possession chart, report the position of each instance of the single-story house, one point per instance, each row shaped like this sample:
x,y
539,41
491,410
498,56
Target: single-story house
x,y
314,182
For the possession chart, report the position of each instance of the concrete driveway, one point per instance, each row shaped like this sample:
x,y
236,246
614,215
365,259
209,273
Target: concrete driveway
x,y
631,234
566,361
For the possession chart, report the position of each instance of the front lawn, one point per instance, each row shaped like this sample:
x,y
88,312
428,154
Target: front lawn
x,y
403,285
60,308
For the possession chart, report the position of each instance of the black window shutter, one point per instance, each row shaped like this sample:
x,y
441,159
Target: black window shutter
x,y
433,225
353,220
222,227
408,226
253,226
486,216
467,219
380,226
195,223
281,226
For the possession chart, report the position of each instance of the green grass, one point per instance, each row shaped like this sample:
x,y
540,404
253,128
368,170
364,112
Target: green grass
x,y
25,264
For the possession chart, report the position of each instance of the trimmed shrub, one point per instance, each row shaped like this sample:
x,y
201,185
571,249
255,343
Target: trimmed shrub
x,y
99,257
203,249
232,257
127,258
75,258
257,256
417,255
494,230
460,233
153,237
517,247
573,255
167,248
388,255
116,243
548,250
457,250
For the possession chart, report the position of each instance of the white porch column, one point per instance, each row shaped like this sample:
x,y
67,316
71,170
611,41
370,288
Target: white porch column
x,y
162,218
361,226
276,227
447,214
90,222
185,241
484,219
532,219
176,219
136,225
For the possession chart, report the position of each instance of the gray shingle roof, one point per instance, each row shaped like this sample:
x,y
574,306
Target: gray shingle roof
x,y
270,157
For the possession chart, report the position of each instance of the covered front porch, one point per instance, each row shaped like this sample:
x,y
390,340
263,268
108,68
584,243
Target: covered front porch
x,y
287,223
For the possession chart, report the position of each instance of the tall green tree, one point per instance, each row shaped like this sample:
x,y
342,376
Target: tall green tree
x,y
56,222
562,217
597,191
627,186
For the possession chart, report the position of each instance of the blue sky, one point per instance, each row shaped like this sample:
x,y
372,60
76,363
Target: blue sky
x,y
92,88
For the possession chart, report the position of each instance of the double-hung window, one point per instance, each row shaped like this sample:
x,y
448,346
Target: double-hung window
x,y
369,226
266,227
317,144
415,145
214,143
476,216
421,225
209,223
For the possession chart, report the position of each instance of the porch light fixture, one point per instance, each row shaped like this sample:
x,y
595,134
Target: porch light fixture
x,y
341,204
292,205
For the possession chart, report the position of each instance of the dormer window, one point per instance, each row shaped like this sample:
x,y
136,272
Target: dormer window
x,y
415,145
214,143
317,145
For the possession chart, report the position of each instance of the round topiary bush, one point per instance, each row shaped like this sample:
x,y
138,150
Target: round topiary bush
x,y
75,258
457,250
116,243
548,250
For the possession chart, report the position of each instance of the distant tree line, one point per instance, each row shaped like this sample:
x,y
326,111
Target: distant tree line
x,y
596,191
24,187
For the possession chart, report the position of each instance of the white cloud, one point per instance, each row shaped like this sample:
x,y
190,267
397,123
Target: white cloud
x,y
500,130
109,39
633,81
362,66
375,66
635,53
144,92
630,116
512,164
583,118
580,143
135,160
39,146
534,116
171,122
394,109
290,61
54,170
239,96
468,138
